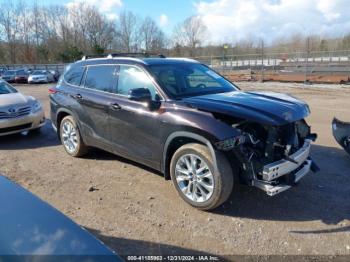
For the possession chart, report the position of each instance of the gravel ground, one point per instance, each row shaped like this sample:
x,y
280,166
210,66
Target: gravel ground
x,y
135,211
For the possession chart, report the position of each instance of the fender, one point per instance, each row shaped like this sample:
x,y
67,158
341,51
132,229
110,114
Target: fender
x,y
188,135
65,110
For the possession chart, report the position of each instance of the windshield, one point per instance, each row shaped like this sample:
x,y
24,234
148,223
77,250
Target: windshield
x,y
188,79
10,73
39,72
5,88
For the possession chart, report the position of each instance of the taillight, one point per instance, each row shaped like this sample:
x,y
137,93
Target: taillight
x,y
52,90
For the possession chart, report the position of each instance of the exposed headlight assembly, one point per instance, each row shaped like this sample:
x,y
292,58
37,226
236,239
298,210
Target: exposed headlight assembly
x,y
229,144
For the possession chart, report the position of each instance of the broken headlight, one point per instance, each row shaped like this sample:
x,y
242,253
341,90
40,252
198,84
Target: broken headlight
x,y
229,144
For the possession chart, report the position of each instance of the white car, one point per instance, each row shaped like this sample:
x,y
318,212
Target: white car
x,y
40,76
18,112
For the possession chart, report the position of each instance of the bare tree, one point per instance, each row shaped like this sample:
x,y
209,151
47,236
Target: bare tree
x,y
9,21
128,32
191,33
152,37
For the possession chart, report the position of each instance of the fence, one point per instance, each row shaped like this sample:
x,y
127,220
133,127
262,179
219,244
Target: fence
x,y
299,66
332,67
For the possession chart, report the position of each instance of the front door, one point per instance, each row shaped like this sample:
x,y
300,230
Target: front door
x,y
134,128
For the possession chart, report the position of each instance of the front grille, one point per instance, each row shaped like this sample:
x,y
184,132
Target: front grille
x,y
24,111
15,128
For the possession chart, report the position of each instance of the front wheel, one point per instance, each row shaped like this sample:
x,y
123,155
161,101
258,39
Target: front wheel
x,y
196,179
71,138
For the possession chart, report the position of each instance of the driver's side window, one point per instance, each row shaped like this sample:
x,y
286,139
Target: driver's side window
x,y
131,77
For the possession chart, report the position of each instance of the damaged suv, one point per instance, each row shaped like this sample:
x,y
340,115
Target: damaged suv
x,y
182,118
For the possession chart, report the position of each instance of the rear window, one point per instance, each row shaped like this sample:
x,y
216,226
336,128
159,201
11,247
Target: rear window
x,y
102,78
74,75
10,73
21,72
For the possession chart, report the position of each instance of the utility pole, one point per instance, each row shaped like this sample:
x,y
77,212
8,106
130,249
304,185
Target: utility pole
x,y
262,61
307,59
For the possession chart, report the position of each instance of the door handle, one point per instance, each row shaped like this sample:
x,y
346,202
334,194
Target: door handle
x,y
78,97
116,106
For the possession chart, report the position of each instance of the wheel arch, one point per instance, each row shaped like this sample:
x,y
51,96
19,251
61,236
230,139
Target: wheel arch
x,y
178,139
62,113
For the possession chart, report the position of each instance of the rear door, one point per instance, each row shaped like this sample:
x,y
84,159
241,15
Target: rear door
x,y
95,99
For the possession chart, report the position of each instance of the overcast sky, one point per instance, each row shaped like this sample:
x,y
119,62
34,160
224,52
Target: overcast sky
x,y
234,20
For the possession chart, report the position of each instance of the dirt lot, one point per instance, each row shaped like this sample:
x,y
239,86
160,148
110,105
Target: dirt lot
x,y
135,211
299,77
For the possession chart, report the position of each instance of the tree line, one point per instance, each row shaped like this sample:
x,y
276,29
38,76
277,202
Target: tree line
x,y
54,34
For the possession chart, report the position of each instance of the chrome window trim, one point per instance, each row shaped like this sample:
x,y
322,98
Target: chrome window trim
x,y
119,95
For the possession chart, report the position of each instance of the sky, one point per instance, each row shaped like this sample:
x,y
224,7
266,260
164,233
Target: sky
x,y
236,20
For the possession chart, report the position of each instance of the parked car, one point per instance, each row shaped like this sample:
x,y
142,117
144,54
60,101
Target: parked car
x,y
21,76
18,112
9,76
182,118
32,230
341,133
41,76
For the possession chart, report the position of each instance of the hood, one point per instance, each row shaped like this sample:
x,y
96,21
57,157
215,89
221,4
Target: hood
x,y
30,226
14,99
267,108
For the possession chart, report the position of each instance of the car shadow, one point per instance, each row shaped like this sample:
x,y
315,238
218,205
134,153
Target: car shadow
x,y
46,137
126,247
99,154
322,196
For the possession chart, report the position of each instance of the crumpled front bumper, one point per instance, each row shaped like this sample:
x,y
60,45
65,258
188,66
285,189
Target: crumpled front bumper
x,y
299,164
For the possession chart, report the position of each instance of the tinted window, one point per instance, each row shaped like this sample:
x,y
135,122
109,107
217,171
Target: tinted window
x,y
10,73
131,77
21,72
101,78
74,75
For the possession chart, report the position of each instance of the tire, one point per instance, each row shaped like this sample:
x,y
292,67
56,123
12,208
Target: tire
x,y
221,180
78,147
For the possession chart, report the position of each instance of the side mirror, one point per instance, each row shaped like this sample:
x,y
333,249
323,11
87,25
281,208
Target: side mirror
x,y
140,94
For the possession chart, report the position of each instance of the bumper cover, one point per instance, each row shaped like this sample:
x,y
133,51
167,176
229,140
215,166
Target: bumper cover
x,y
21,124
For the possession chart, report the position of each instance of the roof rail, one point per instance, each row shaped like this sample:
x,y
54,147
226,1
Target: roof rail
x,y
133,55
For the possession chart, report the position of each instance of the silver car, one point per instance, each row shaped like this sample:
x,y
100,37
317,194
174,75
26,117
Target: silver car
x,y
18,112
40,76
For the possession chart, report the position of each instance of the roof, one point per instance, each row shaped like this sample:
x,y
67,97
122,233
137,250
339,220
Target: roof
x,y
132,60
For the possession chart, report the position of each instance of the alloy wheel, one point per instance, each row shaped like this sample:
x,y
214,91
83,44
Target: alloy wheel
x,y
69,137
194,178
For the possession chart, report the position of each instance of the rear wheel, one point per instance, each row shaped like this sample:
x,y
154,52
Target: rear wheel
x,y
71,138
197,180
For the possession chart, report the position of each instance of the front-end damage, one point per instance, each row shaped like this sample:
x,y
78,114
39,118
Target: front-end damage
x,y
272,158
